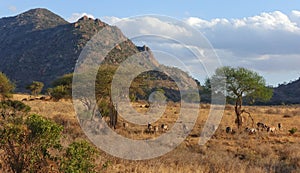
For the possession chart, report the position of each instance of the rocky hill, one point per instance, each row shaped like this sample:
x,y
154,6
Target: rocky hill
x,y
287,93
39,45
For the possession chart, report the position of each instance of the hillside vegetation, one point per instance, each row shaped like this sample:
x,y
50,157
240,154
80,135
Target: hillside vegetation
x,y
287,93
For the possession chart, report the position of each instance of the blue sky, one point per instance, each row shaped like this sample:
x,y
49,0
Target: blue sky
x,y
260,35
175,8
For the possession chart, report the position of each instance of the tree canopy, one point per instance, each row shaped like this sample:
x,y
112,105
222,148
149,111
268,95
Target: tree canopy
x,y
35,87
62,87
6,86
241,83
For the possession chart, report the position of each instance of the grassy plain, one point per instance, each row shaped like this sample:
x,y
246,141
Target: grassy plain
x,y
239,152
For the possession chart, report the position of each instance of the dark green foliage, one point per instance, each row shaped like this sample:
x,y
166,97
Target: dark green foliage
x,y
191,97
32,143
13,107
65,80
27,140
45,132
104,79
35,87
15,104
293,130
287,93
103,105
241,83
79,157
6,87
62,87
59,92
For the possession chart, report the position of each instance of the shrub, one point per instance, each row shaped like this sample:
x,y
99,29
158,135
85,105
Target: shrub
x,y
293,130
15,105
78,158
6,87
26,142
59,92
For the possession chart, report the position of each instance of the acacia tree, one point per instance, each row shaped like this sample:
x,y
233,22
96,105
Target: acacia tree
x,y
6,86
35,87
241,84
81,90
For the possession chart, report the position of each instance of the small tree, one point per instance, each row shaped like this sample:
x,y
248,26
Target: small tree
x,y
62,87
6,86
58,92
241,83
35,87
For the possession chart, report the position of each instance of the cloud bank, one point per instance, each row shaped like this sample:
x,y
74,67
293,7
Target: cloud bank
x,y
268,43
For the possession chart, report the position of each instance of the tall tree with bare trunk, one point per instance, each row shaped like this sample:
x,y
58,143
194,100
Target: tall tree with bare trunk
x,y
241,83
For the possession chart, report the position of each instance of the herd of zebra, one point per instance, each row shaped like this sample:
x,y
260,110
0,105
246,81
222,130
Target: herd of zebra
x,y
260,127
150,128
154,129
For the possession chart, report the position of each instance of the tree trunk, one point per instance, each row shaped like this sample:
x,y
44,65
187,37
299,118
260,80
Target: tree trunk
x,y
113,114
249,116
238,112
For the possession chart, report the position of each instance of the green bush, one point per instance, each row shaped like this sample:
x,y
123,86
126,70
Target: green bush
x,y
62,87
59,92
6,87
293,130
79,157
31,143
15,105
11,108
27,140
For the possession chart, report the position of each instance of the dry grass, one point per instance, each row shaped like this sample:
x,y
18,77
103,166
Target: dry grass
x,y
239,152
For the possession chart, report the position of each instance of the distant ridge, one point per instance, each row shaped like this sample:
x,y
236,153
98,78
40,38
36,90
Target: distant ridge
x,y
39,45
287,93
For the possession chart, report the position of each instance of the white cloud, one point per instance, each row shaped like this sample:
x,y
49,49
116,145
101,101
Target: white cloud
x,y
265,21
268,43
150,25
110,19
75,16
273,21
295,17
267,33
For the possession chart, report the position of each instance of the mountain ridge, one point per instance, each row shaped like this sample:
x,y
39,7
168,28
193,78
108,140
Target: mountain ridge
x,y
40,45
32,52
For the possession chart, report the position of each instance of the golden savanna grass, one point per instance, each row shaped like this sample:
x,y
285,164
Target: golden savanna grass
x,y
239,152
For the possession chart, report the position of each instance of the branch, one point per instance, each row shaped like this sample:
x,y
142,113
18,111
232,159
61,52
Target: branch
x,y
249,116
